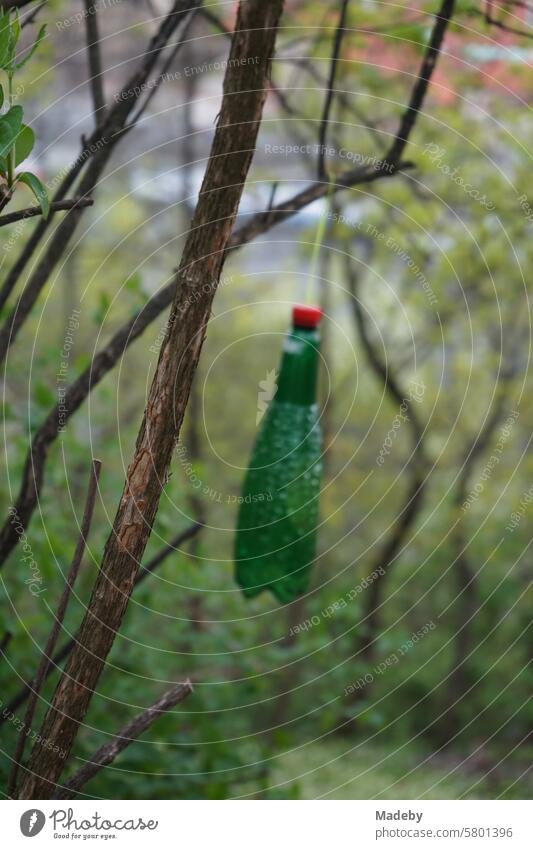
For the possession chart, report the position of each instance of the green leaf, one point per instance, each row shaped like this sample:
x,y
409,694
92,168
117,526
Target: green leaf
x,y
5,34
10,125
36,43
104,302
3,165
43,395
38,190
24,144
14,36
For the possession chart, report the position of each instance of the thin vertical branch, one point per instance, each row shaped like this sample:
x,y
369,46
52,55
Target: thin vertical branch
x,y
330,93
95,61
419,90
46,659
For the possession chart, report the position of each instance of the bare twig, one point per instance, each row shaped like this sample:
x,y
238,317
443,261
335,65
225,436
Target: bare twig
x,y
65,650
32,211
107,753
95,62
46,659
500,24
15,4
330,93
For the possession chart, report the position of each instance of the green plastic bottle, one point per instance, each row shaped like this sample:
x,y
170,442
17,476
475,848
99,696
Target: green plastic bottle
x,y
278,516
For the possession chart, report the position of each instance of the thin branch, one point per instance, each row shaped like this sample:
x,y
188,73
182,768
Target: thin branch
x,y
103,142
500,24
190,533
330,93
419,91
65,650
107,753
161,76
506,28
261,222
95,61
477,447
55,206
46,659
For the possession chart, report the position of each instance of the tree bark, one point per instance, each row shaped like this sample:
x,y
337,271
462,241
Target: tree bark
x,y
197,279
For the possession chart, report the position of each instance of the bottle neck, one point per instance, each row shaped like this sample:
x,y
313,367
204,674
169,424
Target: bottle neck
x,y
299,367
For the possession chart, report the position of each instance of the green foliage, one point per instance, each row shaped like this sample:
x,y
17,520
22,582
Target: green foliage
x,y
10,126
17,139
35,185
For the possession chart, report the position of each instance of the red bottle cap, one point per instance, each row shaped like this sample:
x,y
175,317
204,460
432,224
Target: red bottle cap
x,y
304,316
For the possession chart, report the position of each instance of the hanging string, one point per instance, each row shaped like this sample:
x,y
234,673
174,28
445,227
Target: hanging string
x,y
318,243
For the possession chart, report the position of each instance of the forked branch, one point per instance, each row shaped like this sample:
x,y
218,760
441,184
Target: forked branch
x,y
107,753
